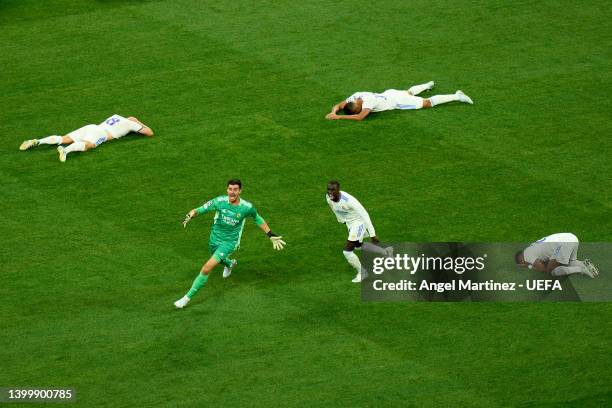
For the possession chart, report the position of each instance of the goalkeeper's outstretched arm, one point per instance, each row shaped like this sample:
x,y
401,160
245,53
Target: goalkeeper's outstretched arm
x,y
277,241
207,207
191,214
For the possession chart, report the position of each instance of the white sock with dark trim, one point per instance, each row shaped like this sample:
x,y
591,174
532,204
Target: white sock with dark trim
x,y
353,260
75,147
52,140
573,267
417,89
440,99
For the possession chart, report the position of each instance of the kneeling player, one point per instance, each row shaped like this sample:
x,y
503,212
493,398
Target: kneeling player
x,y
91,136
556,254
231,211
349,211
361,104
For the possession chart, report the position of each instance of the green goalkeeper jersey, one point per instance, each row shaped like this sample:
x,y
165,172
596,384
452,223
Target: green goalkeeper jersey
x,y
229,219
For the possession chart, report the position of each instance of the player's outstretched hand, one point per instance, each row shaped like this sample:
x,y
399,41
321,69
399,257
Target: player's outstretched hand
x,y
277,243
186,220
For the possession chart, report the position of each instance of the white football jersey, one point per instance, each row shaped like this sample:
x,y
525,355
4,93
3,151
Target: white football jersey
x,y
373,101
562,247
118,126
349,210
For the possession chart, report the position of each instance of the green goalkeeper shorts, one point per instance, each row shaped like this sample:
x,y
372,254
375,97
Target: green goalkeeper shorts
x,y
222,251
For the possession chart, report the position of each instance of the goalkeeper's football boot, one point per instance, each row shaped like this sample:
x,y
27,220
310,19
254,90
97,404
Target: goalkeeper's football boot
x,y
592,270
182,302
464,98
228,271
62,153
28,144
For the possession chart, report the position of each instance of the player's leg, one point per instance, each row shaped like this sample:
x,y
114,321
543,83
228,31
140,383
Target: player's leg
x,y
74,147
440,99
417,89
225,251
49,140
353,259
572,268
198,282
354,241
81,140
576,266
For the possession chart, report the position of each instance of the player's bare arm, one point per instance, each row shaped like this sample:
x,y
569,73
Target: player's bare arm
x,y
335,109
146,130
277,241
359,116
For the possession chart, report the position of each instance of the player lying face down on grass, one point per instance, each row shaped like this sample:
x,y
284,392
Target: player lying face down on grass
x,y
556,254
359,105
91,136
231,212
349,211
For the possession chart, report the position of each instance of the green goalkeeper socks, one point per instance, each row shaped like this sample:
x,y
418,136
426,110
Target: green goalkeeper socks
x,y
198,283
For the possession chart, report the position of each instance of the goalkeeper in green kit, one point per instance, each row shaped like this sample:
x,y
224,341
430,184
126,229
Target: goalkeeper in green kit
x,y
231,211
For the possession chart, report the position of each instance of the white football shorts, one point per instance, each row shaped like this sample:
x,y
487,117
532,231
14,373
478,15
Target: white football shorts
x,y
357,231
91,133
566,252
403,100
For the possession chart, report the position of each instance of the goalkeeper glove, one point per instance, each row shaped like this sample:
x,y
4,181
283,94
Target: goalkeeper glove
x,y
277,242
186,220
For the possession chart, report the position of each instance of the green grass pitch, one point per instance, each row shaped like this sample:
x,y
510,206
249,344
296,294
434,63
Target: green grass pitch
x,y
93,254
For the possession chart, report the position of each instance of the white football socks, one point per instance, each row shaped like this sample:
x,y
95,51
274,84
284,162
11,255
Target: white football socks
x,y
370,247
75,147
417,89
440,99
52,140
353,260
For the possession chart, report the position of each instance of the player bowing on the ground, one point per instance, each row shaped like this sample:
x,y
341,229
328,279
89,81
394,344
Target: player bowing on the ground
x,y
361,104
556,254
91,136
349,211
231,211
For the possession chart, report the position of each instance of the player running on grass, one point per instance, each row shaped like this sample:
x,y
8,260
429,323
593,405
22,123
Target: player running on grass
x,y
231,211
556,254
349,211
361,104
91,136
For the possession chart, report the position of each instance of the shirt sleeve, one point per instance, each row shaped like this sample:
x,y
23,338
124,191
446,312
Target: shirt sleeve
x,y
363,214
255,215
208,206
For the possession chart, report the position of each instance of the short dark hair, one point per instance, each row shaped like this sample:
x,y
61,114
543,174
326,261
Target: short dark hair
x,y
516,257
235,182
350,108
335,183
